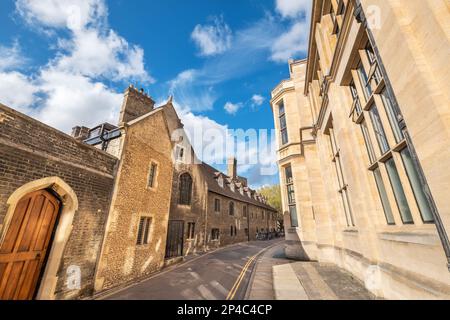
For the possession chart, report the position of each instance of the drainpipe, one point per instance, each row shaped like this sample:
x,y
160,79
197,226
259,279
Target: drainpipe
x,y
361,18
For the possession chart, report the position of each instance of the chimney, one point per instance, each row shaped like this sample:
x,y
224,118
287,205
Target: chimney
x,y
136,103
232,168
80,133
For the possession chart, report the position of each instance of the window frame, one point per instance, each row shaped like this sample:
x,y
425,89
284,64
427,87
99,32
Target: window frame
x,y
185,193
144,229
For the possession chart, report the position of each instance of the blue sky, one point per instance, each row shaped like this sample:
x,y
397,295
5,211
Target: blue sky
x,y
67,62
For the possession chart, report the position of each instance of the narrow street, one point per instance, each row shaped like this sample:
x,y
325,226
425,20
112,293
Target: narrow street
x,y
248,271
220,275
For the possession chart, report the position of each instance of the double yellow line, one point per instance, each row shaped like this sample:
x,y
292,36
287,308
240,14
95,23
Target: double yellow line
x,y
238,282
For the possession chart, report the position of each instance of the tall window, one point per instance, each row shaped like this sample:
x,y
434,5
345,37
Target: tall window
x,y
283,124
379,130
291,196
231,208
356,108
185,189
418,188
217,205
143,231
368,141
215,234
151,183
384,196
393,116
364,81
245,211
343,187
191,230
399,192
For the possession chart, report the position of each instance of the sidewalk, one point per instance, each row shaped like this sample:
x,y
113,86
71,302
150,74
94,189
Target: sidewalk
x,y
277,278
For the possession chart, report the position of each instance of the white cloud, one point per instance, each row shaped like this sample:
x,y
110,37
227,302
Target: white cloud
x,y
292,43
68,90
258,100
186,87
293,8
17,91
76,99
232,108
72,14
93,54
212,39
11,57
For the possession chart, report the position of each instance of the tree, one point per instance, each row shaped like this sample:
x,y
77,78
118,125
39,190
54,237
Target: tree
x,y
273,195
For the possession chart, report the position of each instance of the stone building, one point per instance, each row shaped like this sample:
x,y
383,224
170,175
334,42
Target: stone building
x,y
135,234
82,214
55,194
364,145
209,209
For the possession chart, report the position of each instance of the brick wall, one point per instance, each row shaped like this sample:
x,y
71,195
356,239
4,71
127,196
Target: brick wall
x,y
30,150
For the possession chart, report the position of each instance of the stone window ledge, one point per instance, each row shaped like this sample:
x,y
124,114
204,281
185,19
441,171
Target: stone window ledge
x,y
421,238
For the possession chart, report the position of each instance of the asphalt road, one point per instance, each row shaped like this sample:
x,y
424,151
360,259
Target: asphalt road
x,y
220,275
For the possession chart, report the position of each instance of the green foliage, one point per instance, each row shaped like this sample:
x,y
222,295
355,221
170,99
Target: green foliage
x,y
273,195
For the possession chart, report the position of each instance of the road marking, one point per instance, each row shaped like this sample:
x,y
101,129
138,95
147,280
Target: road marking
x,y
217,286
206,293
238,282
239,279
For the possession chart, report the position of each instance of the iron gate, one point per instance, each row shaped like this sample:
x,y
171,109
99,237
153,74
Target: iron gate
x,y
175,235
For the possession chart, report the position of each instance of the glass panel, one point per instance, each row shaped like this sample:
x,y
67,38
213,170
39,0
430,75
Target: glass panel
x,y
416,185
368,141
364,81
288,172
392,115
283,122
384,197
284,137
379,130
399,192
291,194
281,108
293,213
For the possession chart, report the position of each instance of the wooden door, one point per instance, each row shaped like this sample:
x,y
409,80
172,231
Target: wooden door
x,y
24,249
175,239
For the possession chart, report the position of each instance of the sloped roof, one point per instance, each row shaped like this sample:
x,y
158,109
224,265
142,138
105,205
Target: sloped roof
x,y
211,175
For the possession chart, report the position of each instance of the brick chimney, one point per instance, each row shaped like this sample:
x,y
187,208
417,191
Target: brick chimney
x,y
232,168
80,133
136,103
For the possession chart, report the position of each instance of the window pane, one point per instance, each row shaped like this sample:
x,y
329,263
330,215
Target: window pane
x,y
392,115
281,108
384,197
399,192
379,130
283,122
284,137
293,213
416,185
364,81
368,141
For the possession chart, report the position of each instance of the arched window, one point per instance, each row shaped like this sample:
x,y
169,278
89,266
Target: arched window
x,y
231,209
185,189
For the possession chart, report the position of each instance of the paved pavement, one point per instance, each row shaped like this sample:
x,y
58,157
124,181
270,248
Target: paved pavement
x,y
219,275
251,271
277,278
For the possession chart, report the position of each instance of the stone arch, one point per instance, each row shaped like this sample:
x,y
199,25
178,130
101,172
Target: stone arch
x,y
69,200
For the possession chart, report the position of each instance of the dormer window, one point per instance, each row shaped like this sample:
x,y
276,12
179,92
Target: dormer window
x,y
220,181
232,186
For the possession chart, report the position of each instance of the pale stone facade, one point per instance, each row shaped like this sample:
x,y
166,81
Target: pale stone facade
x,y
364,144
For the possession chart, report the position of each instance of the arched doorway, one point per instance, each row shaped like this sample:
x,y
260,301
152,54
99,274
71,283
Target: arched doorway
x,y
36,229
24,249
